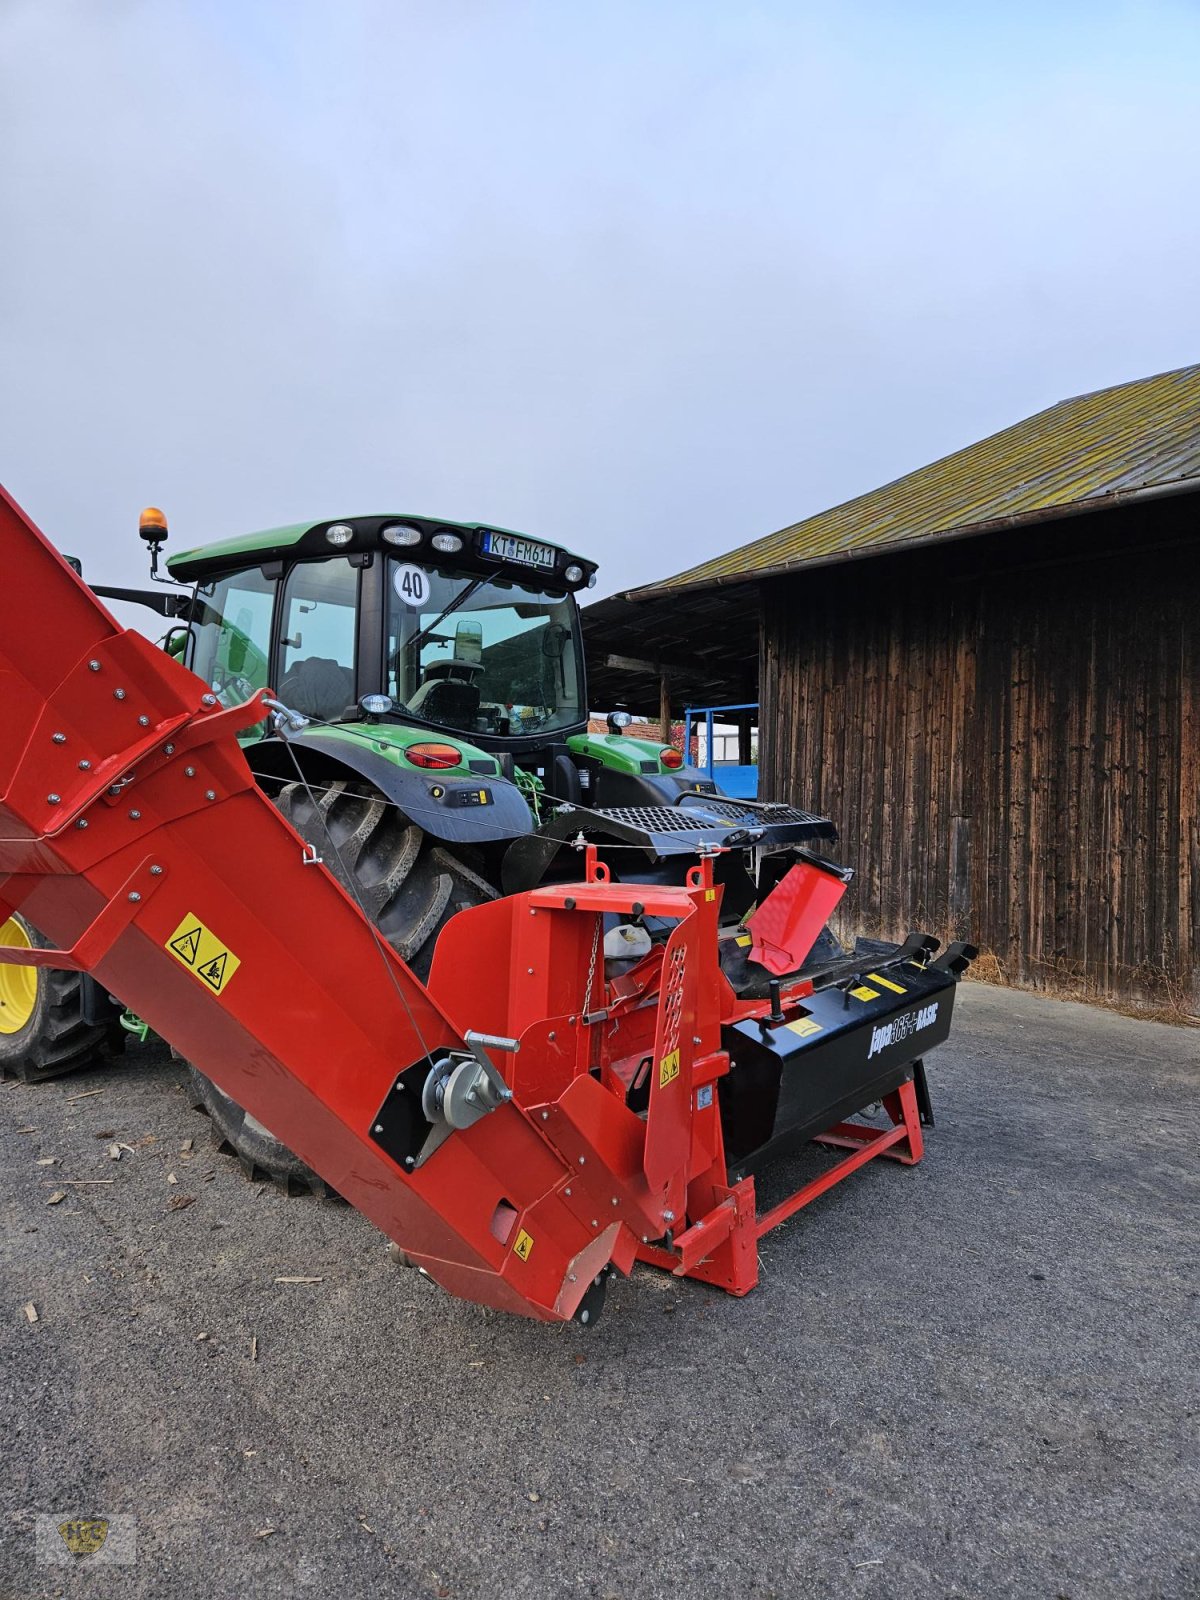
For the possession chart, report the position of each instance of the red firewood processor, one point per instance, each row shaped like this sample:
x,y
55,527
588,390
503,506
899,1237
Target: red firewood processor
x,y
539,1002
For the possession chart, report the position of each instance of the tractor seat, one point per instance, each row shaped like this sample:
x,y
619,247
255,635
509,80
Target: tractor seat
x,y
446,700
318,686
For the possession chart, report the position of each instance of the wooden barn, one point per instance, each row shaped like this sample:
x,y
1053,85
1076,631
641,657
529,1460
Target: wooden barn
x,y
988,674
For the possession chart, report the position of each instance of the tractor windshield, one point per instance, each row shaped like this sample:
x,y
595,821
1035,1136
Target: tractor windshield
x,y
484,655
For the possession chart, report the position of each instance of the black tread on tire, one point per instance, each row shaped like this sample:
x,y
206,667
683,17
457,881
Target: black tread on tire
x,y
56,1039
409,886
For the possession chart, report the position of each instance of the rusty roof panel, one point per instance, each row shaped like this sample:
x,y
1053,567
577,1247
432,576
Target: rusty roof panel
x,y
1135,436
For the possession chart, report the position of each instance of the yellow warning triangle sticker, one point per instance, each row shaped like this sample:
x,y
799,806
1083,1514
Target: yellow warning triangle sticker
x,y
209,959
213,972
187,946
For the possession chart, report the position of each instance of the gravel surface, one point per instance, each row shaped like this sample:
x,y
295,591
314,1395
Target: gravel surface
x,y
977,1377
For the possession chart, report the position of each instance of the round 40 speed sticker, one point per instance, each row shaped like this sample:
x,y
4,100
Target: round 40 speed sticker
x,y
411,584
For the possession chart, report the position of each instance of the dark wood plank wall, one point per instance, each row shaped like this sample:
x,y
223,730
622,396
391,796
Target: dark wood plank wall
x,y
1008,737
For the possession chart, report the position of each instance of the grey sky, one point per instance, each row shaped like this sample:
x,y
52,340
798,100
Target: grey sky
x,y
648,279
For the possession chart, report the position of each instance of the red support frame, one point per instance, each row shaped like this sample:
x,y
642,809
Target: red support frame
x,y
901,1142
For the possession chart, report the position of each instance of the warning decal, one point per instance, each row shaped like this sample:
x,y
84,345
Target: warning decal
x,y
804,1026
863,993
523,1246
668,1069
198,948
187,946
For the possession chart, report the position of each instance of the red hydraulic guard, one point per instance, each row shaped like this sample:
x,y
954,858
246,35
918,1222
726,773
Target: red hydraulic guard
x,y
786,925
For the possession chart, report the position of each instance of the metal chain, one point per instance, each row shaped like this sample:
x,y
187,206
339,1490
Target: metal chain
x,y
591,977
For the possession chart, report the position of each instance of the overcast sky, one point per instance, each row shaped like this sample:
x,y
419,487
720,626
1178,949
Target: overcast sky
x,y
648,279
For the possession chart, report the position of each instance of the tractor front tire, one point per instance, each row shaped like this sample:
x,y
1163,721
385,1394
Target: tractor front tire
x,y
43,1033
408,885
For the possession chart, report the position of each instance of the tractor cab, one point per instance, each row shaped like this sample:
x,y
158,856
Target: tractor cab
x,y
459,628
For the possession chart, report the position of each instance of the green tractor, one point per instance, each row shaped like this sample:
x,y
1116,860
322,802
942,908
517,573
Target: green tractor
x,y
431,747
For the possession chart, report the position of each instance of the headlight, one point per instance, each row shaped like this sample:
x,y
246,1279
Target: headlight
x,y
339,533
397,533
447,543
376,705
573,574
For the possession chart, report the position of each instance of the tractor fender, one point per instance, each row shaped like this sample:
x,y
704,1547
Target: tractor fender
x,y
461,808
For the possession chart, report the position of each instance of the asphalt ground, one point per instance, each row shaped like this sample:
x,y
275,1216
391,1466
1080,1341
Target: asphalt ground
x,y
977,1377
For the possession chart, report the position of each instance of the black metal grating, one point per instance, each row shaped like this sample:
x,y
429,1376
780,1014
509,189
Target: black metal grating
x,y
769,811
657,819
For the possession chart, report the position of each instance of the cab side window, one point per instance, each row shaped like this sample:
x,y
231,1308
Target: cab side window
x,y
319,623
232,634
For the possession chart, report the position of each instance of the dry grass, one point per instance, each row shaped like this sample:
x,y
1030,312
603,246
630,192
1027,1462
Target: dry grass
x,y
1154,993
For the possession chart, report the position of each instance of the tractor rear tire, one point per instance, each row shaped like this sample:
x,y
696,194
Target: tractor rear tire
x,y
42,1030
406,883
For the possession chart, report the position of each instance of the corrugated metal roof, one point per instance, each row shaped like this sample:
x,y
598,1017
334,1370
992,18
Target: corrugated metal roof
x,y
1072,456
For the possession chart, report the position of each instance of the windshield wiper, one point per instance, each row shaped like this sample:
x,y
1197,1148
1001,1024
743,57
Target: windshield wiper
x,y
418,639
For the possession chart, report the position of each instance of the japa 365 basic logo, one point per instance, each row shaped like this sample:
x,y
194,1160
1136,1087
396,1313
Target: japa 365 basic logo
x,y
901,1028
86,1541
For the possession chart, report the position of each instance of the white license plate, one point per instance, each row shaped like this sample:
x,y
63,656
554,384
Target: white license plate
x,y
505,548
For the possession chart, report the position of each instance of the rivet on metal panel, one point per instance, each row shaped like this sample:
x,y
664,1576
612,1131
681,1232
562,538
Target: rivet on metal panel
x,y
53,799
529,970
59,738
552,1035
668,1216
208,699
168,749
595,1222
545,1116
114,788
93,666
156,872
143,722
118,694
378,1128
571,1277
567,1190
615,1201
135,897
583,1161
210,794
135,816
85,766
189,772
82,823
